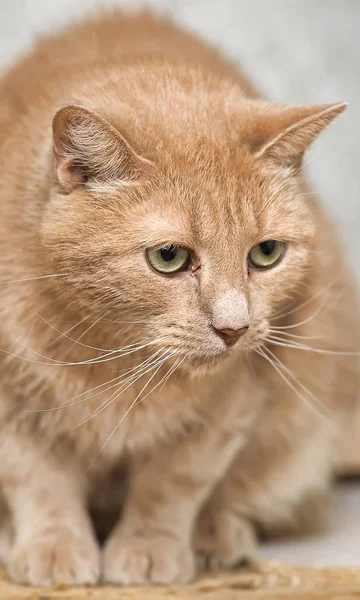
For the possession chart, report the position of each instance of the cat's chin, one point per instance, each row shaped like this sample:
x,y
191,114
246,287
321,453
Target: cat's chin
x,y
203,365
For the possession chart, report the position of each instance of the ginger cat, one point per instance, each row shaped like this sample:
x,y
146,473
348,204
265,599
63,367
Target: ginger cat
x,y
178,328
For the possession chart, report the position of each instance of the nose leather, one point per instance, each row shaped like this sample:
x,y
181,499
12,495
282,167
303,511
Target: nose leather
x,y
231,336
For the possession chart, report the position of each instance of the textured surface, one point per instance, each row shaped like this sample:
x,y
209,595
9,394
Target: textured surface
x,y
263,581
300,52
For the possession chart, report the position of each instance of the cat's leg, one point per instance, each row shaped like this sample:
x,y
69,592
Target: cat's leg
x,y
153,541
53,540
224,537
283,492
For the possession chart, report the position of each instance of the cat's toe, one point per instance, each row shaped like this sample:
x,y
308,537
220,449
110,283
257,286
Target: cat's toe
x,y
223,540
137,560
48,559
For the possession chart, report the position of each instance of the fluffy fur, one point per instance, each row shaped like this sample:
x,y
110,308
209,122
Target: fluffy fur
x,y
118,398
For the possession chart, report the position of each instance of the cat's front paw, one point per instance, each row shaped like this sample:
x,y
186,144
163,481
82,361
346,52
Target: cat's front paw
x,y
223,539
57,557
138,560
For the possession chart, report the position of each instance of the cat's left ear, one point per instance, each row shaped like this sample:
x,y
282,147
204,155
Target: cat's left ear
x,y
288,131
86,146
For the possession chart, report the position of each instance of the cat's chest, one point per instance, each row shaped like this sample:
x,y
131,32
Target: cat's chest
x,y
104,420
113,415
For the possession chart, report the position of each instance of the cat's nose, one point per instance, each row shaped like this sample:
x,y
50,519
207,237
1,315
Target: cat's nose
x,y
231,336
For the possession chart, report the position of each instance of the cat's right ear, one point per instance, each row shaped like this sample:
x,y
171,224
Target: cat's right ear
x,y
87,147
285,132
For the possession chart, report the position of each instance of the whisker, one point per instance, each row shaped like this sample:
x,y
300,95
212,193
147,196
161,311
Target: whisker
x,y
163,380
97,360
119,379
65,335
119,353
318,310
62,333
170,372
280,314
122,419
77,342
301,385
33,278
132,375
133,379
293,335
276,341
294,173
137,322
292,387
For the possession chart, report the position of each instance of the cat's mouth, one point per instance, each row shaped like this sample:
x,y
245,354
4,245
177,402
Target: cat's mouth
x,y
207,361
210,360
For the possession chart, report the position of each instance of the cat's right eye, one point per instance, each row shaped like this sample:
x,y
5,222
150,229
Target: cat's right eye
x,y
168,260
267,254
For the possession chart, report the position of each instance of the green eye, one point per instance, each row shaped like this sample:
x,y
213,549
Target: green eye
x,y
168,259
266,255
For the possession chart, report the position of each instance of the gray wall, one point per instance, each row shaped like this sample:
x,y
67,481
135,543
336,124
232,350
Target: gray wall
x,y
296,51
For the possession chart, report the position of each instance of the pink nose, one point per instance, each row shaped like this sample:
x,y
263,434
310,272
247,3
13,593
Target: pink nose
x,y
231,336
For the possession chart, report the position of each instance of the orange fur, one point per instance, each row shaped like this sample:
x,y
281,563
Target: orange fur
x,y
119,135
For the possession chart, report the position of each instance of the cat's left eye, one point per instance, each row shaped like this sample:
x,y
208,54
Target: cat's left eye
x,y
266,255
168,259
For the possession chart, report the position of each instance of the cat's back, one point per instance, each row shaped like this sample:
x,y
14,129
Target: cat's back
x,y
107,41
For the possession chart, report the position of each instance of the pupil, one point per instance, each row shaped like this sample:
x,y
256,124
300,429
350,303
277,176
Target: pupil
x,y
168,253
268,248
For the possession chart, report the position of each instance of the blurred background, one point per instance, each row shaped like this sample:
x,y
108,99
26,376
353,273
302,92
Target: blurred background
x,y
295,51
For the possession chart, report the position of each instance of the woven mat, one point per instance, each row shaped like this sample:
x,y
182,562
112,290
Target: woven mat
x,y
264,580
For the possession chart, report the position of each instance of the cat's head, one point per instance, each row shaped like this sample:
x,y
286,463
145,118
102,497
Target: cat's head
x,y
192,239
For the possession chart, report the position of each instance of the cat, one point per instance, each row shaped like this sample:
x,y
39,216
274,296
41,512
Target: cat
x,y
178,330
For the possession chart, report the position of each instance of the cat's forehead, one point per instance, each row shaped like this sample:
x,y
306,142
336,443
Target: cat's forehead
x,y
206,207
